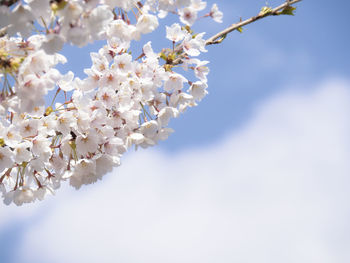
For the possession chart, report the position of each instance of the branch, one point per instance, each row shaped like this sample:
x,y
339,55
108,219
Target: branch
x,y
219,37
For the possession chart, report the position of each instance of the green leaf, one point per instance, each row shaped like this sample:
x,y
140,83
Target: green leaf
x,y
163,56
288,10
171,57
187,28
221,39
48,111
240,29
265,11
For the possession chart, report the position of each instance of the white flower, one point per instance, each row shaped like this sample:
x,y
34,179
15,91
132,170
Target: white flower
x,y
65,122
126,99
78,36
193,46
201,70
22,154
127,5
47,126
84,173
167,5
83,121
182,101
100,63
90,83
216,14
29,128
198,90
198,5
166,114
58,164
21,21
149,53
37,111
53,43
98,20
175,82
118,28
111,79
147,23
114,146
37,164
87,143
11,136
42,192
40,9
135,138
72,11
149,129
117,45
188,15
164,133
105,164
122,63
41,147
107,96
37,62
66,82
175,33
6,158
22,196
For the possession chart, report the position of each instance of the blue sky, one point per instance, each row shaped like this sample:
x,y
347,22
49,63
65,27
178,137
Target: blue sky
x,y
258,172
271,55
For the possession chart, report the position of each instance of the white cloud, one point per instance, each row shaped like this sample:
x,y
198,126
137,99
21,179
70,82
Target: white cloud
x,y
274,191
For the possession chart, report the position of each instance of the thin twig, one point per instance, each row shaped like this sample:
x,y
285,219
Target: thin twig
x,y
216,39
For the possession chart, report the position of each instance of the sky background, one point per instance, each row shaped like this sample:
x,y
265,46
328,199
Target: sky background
x,y
258,172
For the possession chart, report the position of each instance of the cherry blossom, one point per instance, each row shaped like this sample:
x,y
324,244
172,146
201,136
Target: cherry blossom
x,y
216,14
125,100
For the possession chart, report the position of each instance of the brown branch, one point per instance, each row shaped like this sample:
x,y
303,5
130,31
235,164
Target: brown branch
x,y
219,37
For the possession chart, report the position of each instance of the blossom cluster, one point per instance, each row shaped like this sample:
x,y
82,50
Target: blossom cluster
x,y
123,101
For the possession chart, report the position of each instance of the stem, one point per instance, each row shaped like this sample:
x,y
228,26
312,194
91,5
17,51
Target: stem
x,y
134,14
219,37
145,112
53,100
46,28
216,39
16,185
37,180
